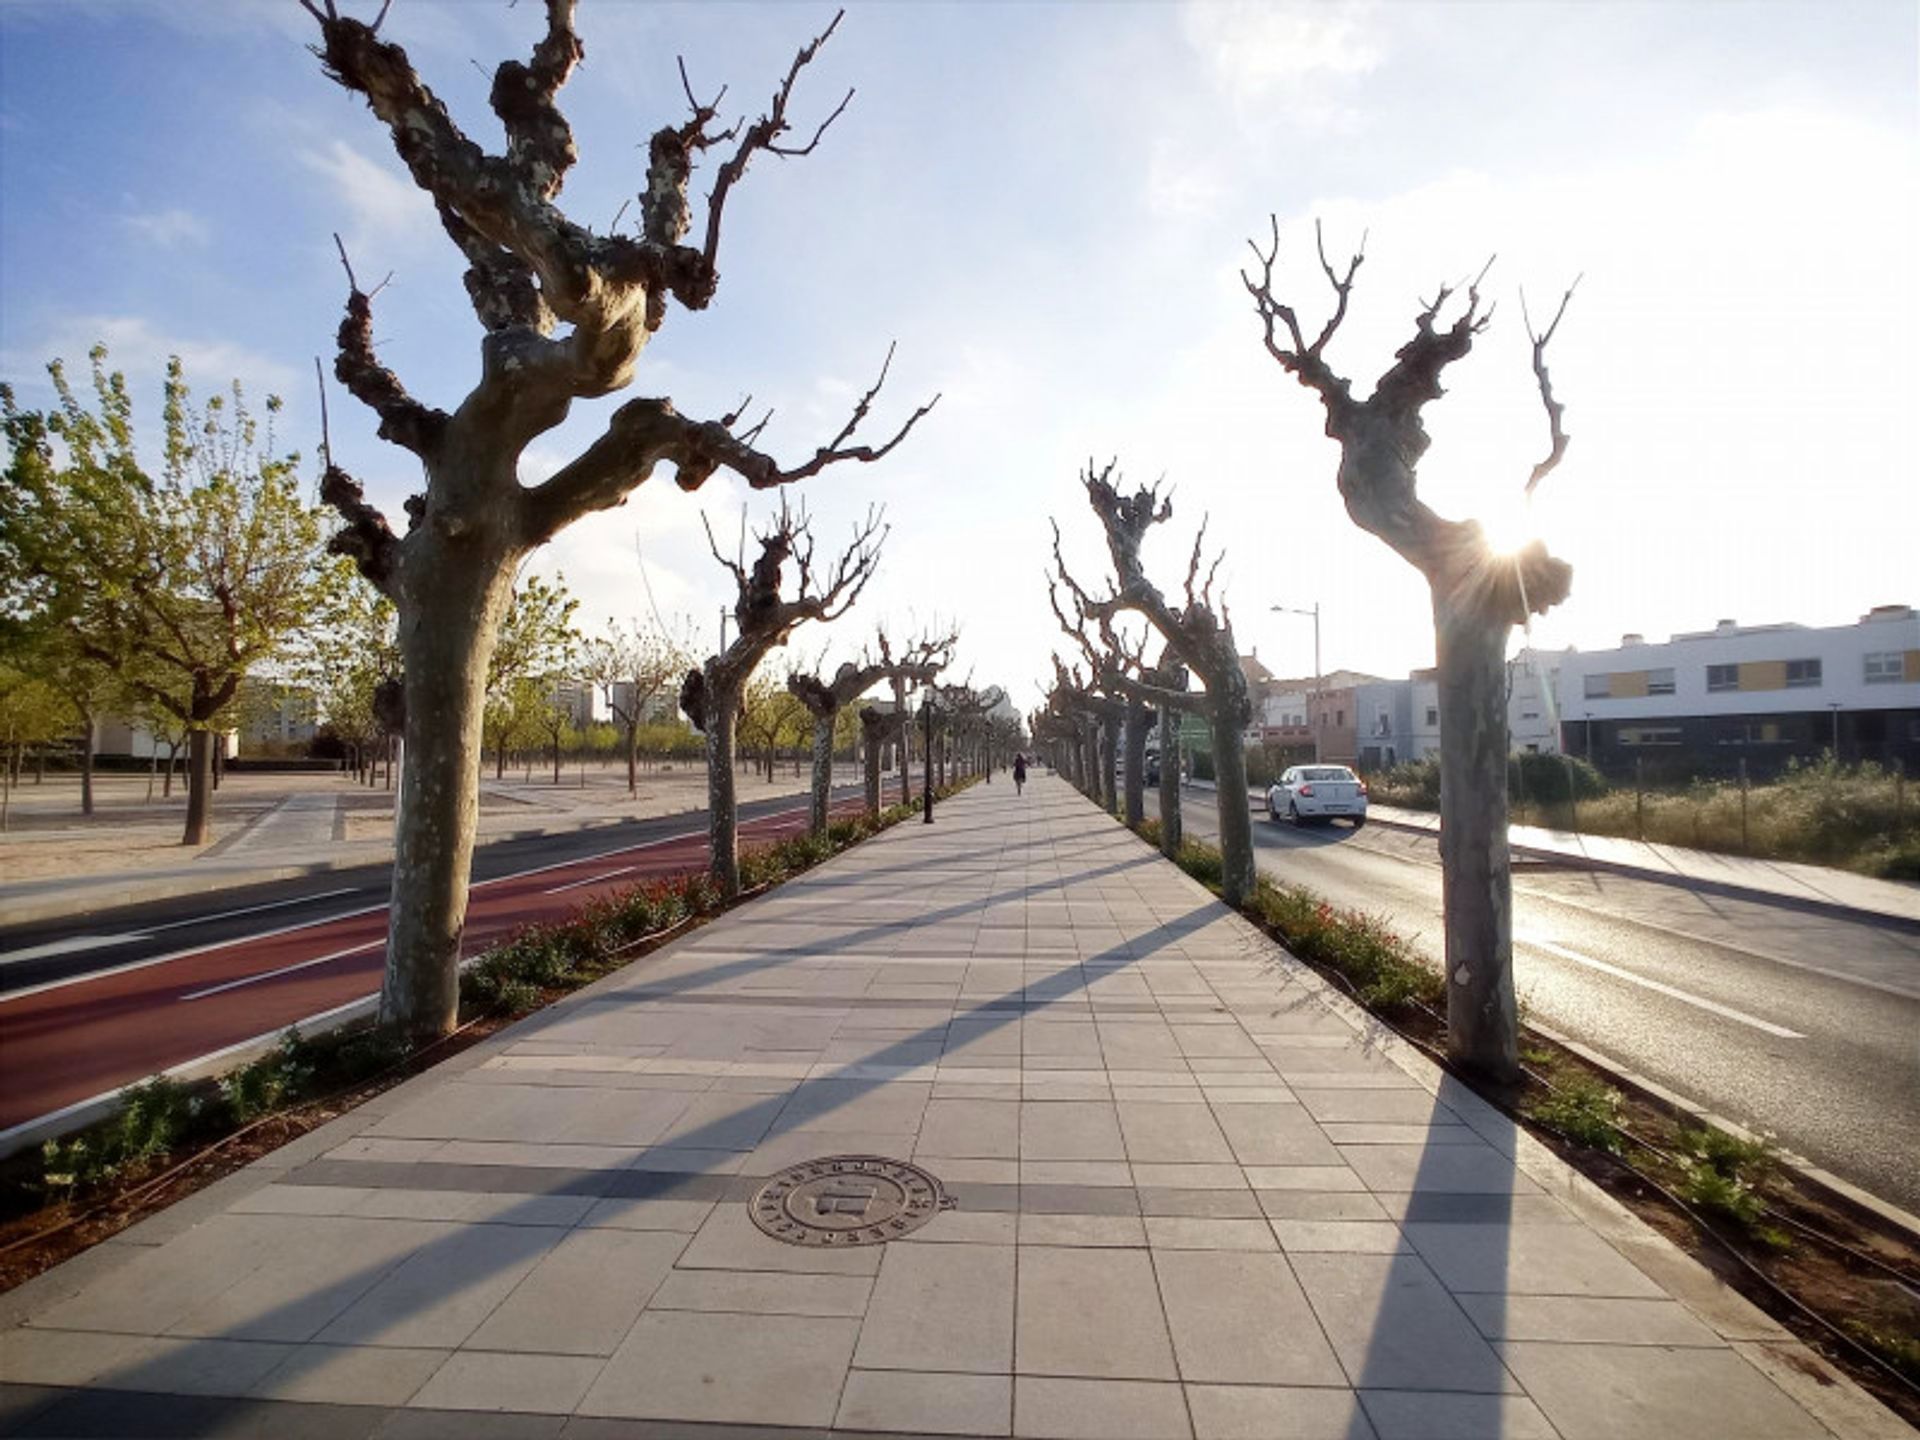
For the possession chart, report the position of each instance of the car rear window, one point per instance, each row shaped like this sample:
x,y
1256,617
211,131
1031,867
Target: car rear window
x,y
1327,772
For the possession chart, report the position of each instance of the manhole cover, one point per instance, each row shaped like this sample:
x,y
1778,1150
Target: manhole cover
x,y
847,1200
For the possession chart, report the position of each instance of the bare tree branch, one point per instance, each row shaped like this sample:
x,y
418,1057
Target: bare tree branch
x,y
403,420
1557,435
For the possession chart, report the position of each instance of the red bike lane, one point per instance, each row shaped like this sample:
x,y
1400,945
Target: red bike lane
x,y
73,1041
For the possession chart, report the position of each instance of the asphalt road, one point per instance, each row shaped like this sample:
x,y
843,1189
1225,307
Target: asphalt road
x,y
91,1004
1804,1025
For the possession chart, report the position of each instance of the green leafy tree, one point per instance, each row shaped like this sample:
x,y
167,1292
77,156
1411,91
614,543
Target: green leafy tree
x,y
182,583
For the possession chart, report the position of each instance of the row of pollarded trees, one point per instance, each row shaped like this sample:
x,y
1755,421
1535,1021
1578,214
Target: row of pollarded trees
x,y
1478,596
565,314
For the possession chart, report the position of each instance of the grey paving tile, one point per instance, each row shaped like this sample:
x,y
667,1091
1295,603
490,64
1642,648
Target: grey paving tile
x,y
750,1292
1179,1232
1360,1237
1095,1230
583,1295
1262,1134
1394,1326
61,1357
1528,1260
1470,1169
19,1402
1160,1133
1098,1409
735,1369
1376,1106
729,1241
349,1374
938,1307
1612,1392
544,1384
110,1415
1090,1312
979,1129
178,1366
467,1425
1435,1415
440,1294
1319,1205
1263,1412
1587,1319
922,1403
1226,1204
1070,1130
1241,1318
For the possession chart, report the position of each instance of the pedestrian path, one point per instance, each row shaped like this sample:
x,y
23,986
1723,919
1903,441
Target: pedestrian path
x,y
1193,1194
298,826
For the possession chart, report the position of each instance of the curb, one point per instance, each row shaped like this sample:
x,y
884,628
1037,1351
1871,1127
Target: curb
x,y
1725,888
1729,889
1845,1194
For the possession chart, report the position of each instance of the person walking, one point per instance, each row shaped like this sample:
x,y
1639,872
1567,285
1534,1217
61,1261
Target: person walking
x,y
1019,773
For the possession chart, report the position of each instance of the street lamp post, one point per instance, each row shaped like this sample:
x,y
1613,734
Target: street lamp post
x,y
1315,614
1834,706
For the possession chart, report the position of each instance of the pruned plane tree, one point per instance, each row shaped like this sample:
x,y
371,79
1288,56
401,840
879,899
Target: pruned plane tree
x,y
1478,596
565,314
765,618
1198,633
919,664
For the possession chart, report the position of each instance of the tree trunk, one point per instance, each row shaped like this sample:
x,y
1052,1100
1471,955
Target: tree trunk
x,y
500,762
1110,763
556,760
153,773
1169,782
633,759
873,774
1477,883
173,756
445,665
1138,720
40,765
1236,820
86,764
199,788
723,829
822,770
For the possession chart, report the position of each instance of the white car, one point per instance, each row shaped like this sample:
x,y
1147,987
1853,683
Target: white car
x,y
1318,793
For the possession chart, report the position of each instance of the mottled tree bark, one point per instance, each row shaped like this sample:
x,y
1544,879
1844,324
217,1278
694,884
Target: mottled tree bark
x,y
199,787
1170,826
723,814
566,313
1139,722
1478,596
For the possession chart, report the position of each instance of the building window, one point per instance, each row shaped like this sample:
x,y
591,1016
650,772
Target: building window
x,y
1597,687
1529,714
1802,674
1433,715
1883,668
1647,735
1660,682
1340,719
1723,677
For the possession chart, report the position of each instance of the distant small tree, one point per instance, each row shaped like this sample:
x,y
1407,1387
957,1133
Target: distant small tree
x,y
826,701
764,619
1198,633
1478,596
631,665
202,574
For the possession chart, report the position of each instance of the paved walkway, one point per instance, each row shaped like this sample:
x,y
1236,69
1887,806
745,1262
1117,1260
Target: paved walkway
x,y
1197,1195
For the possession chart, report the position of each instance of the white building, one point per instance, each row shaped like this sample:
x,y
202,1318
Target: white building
x,y
1758,693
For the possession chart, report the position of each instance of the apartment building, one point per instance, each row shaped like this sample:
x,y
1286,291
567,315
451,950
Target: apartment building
x,y
1707,700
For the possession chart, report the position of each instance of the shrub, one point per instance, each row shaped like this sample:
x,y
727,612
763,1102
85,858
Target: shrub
x,y
1706,1188
1582,1108
154,1117
1383,968
269,1082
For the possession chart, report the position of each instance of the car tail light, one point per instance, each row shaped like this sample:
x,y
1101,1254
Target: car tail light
x,y
1306,789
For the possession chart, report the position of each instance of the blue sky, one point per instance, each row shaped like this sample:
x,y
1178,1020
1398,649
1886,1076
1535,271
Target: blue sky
x,y
1046,206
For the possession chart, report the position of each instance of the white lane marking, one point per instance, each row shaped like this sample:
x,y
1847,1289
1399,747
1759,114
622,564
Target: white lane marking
x,y
23,993
591,880
249,910
283,970
1681,995
70,946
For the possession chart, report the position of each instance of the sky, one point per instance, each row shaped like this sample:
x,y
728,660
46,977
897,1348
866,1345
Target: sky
x,y
1046,207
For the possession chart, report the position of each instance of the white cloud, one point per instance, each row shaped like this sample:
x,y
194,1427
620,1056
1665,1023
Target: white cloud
x,y
136,347
169,228
1256,47
388,213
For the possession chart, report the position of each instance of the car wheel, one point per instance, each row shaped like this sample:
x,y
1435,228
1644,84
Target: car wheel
x,y
1358,821
1272,816
1293,813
